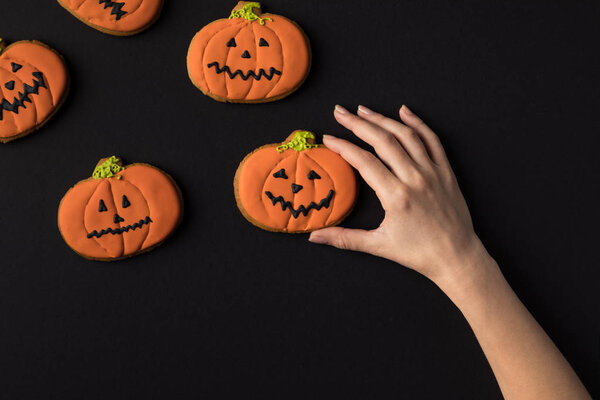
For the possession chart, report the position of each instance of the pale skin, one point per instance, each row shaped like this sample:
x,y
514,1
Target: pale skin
x,y
428,228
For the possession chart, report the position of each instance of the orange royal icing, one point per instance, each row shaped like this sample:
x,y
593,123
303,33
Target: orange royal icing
x,y
33,84
119,17
150,212
276,51
258,174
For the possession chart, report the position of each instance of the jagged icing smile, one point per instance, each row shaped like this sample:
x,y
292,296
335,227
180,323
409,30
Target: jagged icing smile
x,y
302,209
245,76
116,8
119,231
23,97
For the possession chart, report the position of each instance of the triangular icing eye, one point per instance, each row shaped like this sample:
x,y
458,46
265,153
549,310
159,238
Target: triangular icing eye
x,y
231,43
15,67
102,206
263,43
280,174
126,202
313,175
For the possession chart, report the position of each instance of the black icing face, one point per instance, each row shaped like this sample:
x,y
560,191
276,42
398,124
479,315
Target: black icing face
x,y
312,175
296,188
20,96
115,6
246,55
261,43
125,203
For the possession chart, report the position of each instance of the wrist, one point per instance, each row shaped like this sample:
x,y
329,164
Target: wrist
x,y
468,274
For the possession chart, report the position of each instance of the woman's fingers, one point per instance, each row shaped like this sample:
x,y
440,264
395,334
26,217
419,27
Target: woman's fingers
x,y
385,144
430,139
409,137
347,239
370,168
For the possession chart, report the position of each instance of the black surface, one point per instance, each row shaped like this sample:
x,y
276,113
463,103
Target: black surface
x,y
224,308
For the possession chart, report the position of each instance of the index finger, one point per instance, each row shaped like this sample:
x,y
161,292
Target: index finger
x,y
370,167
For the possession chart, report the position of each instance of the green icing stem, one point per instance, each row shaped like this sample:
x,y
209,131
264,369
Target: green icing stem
x,y
247,12
299,142
109,168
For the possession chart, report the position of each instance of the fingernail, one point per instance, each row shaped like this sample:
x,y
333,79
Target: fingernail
x,y
364,110
340,109
328,137
407,110
316,238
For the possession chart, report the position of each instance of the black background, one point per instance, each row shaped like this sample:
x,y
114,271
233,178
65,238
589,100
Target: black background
x,y
223,307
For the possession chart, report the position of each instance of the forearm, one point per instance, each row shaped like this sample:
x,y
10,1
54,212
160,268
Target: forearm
x,y
525,361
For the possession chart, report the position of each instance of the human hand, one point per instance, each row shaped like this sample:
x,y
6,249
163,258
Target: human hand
x,y
427,225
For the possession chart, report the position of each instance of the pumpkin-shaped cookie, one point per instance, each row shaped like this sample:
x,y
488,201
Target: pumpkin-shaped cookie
x,y
120,18
249,57
120,211
33,85
295,186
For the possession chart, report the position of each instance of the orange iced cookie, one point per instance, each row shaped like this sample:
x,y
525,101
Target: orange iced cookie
x,y
295,186
121,18
249,57
34,84
120,211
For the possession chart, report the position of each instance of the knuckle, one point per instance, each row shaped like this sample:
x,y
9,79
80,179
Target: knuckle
x,y
399,195
380,118
402,203
388,140
362,125
419,123
446,174
419,181
410,134
343,241
422,179
434,139
434,136
366,157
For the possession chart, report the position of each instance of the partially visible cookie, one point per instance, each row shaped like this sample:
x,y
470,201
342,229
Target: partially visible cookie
x,y
120,211
34,82
120,18
249,57
295,186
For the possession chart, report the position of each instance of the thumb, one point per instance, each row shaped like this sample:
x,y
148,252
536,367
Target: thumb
x,y
345,239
